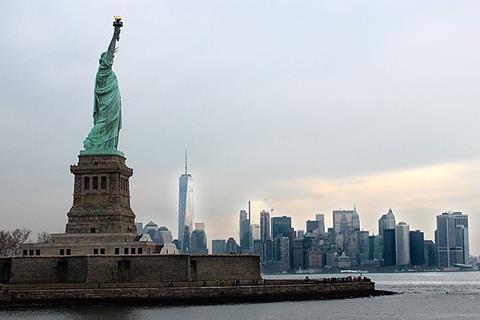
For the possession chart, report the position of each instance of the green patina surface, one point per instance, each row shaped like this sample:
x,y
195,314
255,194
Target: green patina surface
x,y
107,115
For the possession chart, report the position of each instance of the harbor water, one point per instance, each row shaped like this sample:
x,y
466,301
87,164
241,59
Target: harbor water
x,y
432,295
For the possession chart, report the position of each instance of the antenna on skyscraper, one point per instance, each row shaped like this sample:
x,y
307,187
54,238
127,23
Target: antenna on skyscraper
x,y
186,161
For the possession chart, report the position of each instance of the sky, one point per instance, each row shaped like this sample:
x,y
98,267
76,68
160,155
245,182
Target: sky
x,y
311,105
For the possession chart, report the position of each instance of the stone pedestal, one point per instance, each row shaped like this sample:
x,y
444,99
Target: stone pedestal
x,y
101,196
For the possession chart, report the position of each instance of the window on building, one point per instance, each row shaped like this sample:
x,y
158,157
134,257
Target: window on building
x,y
93,230
117,250
125,250
86,183
103,183
95,251
140,250
30,252
25,252
95,183
132,251
62,252
69,252
102,251
37,252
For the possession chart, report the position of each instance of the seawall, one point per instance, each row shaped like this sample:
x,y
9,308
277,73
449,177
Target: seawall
x,y
178,293
168,279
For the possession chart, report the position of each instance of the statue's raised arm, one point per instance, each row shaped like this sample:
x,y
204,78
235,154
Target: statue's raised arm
x,y
107,117
117,24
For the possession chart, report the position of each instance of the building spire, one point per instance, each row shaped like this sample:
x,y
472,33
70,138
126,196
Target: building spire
x,y
186,162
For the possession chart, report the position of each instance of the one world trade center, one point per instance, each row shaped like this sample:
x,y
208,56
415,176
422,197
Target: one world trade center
x,y
185,208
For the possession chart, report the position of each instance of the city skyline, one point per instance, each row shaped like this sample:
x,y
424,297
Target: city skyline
x,y
342,107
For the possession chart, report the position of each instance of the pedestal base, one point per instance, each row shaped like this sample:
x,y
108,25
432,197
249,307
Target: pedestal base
x,y
94,152
101,196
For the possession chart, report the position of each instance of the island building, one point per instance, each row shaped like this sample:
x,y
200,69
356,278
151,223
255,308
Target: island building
x,y
100,221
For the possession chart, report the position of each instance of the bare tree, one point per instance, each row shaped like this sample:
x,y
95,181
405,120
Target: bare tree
x,y
43,237
10,241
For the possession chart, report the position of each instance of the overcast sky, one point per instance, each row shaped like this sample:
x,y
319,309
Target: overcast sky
x,y
312,105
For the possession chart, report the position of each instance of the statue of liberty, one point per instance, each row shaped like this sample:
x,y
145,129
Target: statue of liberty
x,y
107,116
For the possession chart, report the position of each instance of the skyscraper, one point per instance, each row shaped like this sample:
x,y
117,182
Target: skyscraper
x,y
346,224
219,246
281,252
231,246
452,239
281,226
363,245
265,225
185,208
402,244
312,226
255,231
430,254
389,252
198,242
245,232
320,217
417,248
346,220
386,221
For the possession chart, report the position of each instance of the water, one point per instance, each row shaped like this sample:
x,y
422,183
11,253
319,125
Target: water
x,y
423,296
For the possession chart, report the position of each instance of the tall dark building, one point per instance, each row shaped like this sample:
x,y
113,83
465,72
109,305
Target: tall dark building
x,y
371,247
198,242
219,246
452,239
298,252
245,230
363,246
417,248
312,226
258,249
268,250
281,253
265,225
231,246
281,226
430,254
389,252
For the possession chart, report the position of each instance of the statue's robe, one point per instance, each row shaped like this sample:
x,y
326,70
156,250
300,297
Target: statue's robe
x,y
107,117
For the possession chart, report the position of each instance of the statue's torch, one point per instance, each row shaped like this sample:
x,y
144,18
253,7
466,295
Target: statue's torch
x,y
117,24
